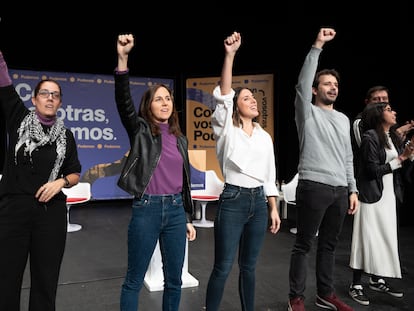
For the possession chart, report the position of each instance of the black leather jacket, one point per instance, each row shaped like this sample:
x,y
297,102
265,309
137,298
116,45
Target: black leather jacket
x,y
145,148
372,168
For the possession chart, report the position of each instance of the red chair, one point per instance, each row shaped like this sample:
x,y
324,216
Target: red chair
x,y
77,194
211,192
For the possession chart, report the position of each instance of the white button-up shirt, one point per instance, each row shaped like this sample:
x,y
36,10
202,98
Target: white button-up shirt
x,y
246,161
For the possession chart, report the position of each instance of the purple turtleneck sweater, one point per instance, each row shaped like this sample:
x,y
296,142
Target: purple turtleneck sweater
x,y
4,72
168,175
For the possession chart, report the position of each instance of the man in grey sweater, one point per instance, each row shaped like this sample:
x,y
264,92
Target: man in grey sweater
x,y
326,189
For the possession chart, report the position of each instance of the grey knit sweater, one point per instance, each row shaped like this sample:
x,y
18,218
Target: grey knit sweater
x,y
324,135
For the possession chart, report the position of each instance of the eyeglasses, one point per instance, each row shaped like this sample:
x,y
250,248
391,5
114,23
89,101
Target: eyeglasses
x,y
47,93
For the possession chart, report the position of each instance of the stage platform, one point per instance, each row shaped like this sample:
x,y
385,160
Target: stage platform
x,y
95,262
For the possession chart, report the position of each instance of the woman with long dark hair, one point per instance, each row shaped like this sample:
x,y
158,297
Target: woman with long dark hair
x,y
383,156
157,173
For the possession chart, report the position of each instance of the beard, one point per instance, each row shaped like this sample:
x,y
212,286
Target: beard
x,y
327,101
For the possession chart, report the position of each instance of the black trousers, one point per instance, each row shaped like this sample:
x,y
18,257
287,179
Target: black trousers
x,y
319,207
34,231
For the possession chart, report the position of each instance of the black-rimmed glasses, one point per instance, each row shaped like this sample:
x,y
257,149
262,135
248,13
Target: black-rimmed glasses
x,y
47,93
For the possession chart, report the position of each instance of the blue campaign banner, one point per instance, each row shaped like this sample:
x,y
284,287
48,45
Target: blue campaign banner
x,y
89,110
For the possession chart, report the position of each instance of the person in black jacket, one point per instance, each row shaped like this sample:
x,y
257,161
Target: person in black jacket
x,y
374,247
41,158
157,174
375,94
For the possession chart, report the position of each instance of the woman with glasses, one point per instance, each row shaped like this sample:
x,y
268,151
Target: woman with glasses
x,y
383,158
40,160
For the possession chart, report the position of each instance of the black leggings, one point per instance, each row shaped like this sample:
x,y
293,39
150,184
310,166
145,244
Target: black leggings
x,y
357,276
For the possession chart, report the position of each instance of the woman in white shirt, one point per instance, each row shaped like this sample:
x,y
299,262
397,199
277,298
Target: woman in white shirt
x,y
246,155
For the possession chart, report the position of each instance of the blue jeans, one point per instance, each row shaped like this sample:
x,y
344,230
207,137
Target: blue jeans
x,y
240,223
155,218
323,207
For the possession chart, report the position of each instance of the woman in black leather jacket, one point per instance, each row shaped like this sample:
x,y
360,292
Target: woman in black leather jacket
x,y
374,248
157,174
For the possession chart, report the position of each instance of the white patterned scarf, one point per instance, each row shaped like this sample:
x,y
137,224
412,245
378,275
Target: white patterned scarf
x,y
32,136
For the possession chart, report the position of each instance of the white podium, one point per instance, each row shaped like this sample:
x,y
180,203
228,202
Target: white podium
x,y
154,278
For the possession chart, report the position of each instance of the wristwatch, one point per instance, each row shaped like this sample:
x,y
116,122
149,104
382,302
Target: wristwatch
x,y
67,183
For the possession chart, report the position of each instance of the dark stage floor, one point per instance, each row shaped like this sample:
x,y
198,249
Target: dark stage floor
x,y
95,262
